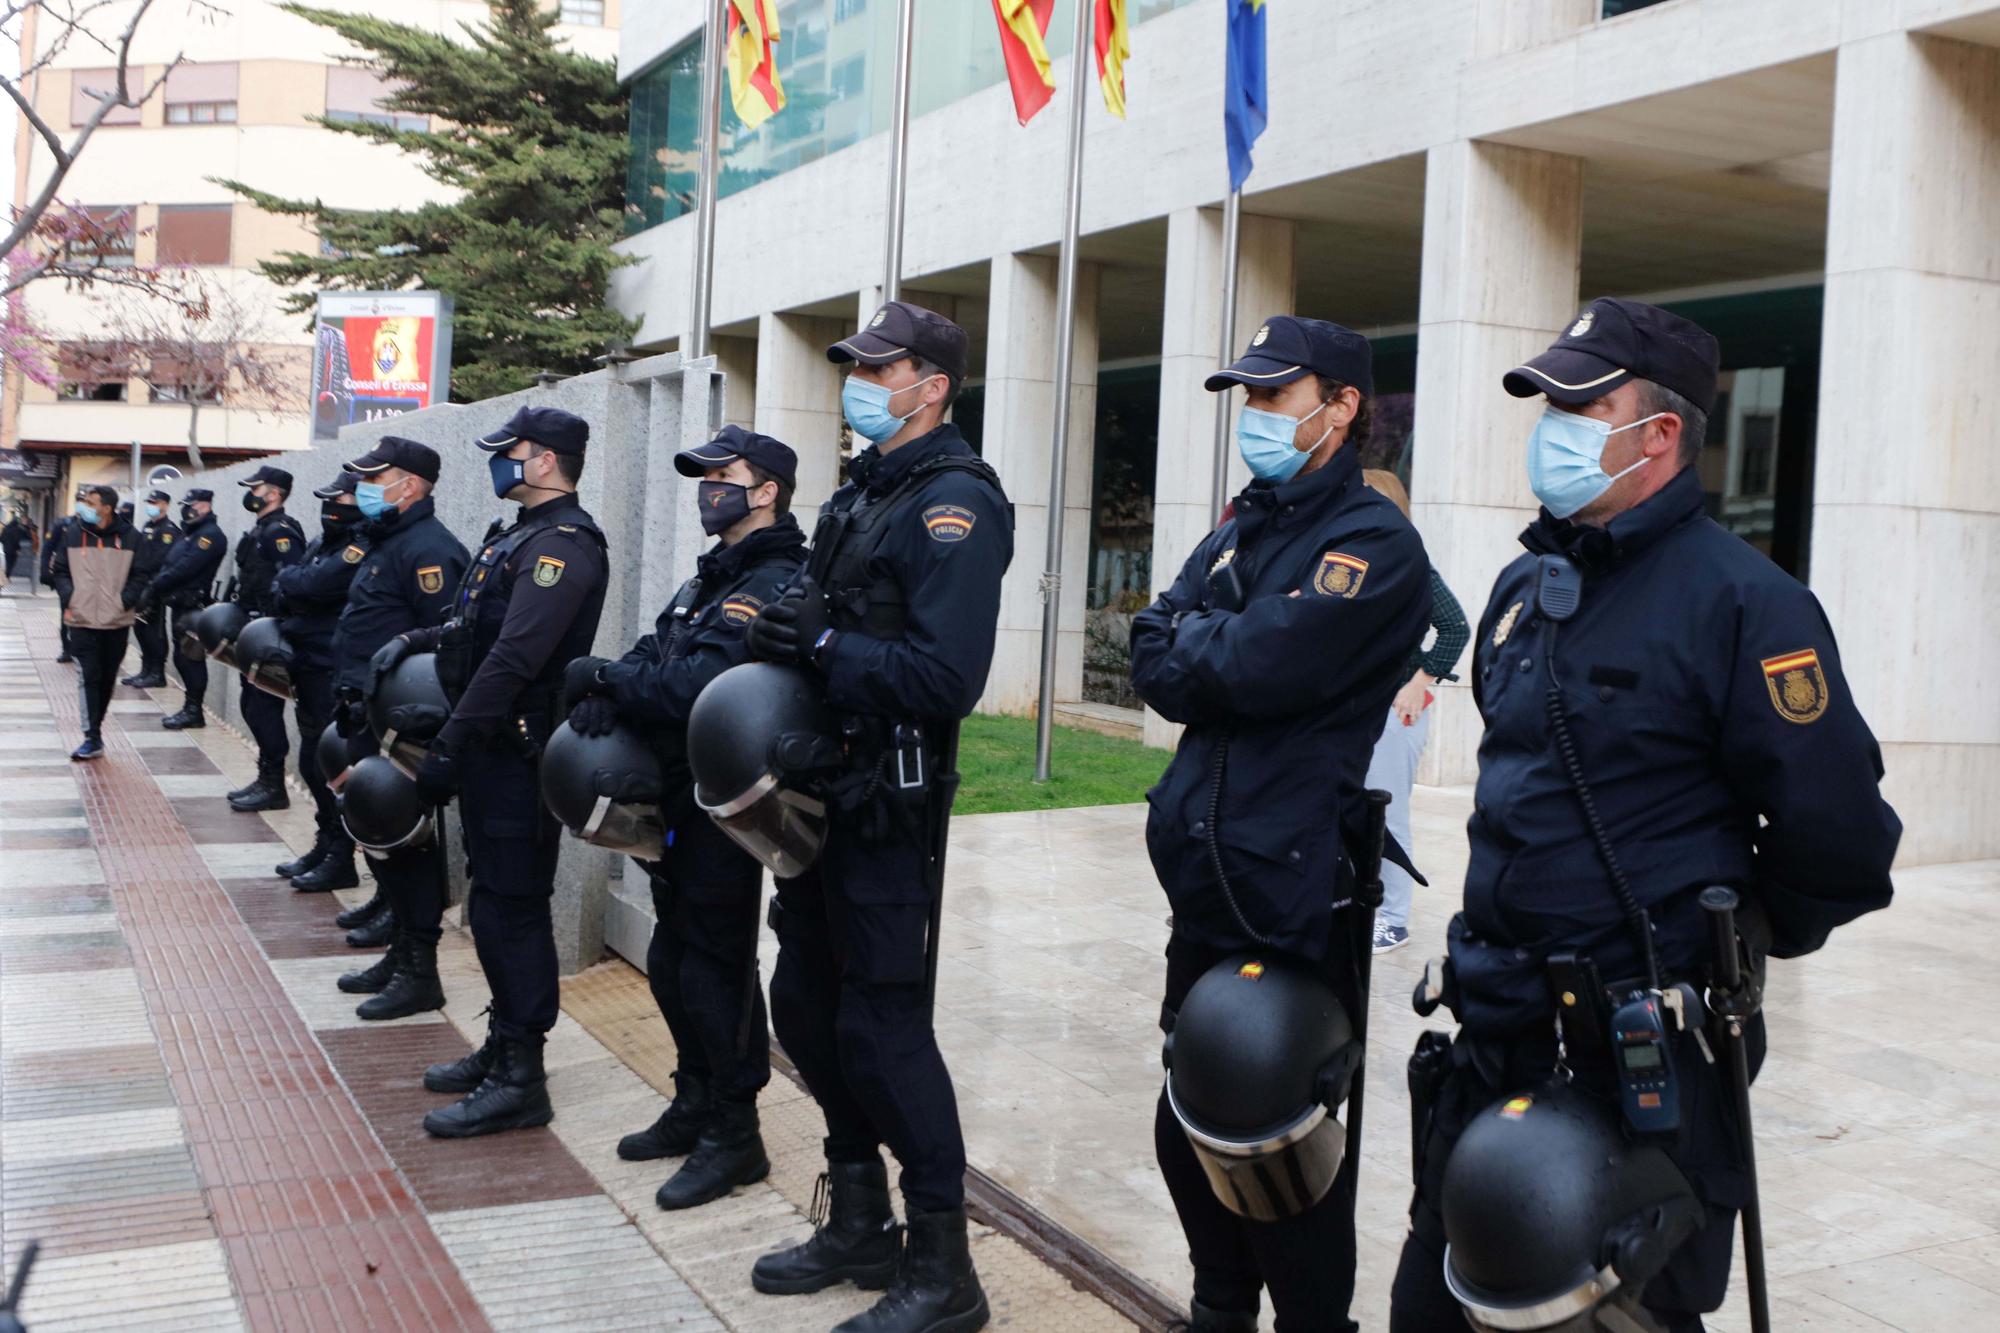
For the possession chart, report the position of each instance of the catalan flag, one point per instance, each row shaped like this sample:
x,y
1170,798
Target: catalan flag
x,y
1114,45
1024,30
754,88
1245,96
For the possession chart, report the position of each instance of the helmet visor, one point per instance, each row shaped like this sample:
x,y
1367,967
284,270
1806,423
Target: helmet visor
x,y
381,843
630,830
1269,1179
225,653
782,829
271,677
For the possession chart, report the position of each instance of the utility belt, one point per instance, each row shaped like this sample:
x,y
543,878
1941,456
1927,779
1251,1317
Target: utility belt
x,y
890,786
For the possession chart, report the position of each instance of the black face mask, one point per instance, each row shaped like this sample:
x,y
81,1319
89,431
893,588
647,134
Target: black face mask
x,y
253,502
723,504
336,517
190,515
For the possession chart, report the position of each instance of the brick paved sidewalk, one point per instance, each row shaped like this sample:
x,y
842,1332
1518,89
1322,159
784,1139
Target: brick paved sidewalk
x,y
202,1135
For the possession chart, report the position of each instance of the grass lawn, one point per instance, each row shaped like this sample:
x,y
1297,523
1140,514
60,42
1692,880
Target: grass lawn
x,y
996,760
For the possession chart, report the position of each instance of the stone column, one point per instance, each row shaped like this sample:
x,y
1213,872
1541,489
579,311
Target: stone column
x,y
798,399
736,359
1189,334
1503,237
1019,441
1906,493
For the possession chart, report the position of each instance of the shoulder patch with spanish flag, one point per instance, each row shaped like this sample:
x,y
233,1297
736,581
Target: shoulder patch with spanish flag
x,y
283,543
430,578
166,539
949,523
352,555
548,571
741,609
203,542
1339,575
1797,685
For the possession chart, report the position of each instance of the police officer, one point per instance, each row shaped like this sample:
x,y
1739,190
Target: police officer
x,y
525,610
156,539
99,648
896,613
272,543
311,596
406,564
1280,645
1684,724
702,963
185,584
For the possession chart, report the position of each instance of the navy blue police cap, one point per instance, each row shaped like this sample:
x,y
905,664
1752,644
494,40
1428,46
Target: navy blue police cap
x,y
157,494
396,451
550,427
276,476
900,330
343,484
1614,341
198,493
734,442
1286,348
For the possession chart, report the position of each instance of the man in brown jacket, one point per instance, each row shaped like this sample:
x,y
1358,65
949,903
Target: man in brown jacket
x,y
98,626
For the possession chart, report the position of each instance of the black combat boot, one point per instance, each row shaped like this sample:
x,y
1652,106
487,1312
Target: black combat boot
x,y
335,870
514,1095
935,1290
305,860
677,1130
413,990
1202,1319
371,979
854,1237
188,719
730,1153
236,794
468,1071
351,917
145,680
266,793
374,932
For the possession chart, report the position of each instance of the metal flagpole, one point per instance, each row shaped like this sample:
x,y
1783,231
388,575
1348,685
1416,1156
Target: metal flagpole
x,y
696,343
1232,216
899,153
1065,356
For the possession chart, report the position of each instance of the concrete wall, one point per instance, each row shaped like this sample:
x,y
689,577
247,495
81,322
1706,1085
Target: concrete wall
x,y
640,415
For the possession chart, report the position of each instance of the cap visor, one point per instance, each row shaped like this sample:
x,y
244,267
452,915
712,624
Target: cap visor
x,y
871,349
1566,376
248,481
1254,370
694,462
366,464
496,440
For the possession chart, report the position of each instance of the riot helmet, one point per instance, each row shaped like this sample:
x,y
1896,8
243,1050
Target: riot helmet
x,y
409,709
606,789
265,657
1261,1056
1554,1221
380,808
218,627
337,753
758,737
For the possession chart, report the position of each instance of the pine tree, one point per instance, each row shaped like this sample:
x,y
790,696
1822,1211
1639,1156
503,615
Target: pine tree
x,y
531,137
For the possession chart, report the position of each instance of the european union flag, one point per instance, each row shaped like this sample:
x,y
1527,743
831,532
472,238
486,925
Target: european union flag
x,y
1245,104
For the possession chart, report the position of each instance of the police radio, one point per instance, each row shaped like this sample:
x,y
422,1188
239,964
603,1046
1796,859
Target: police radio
x,y
1648,1092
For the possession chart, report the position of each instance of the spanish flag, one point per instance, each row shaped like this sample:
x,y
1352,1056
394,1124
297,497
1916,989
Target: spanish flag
x,y
753,65
1024,29
1114,44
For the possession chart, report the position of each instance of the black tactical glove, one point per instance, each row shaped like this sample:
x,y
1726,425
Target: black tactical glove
x,y
790,629
350,716
580,681
384,661
593,716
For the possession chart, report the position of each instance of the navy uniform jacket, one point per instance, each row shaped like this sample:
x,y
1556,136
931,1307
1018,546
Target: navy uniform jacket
x,y
1296,688
156,543
274,541
698,637
1704,694
946,566
312,593
189,572
119,535
403,582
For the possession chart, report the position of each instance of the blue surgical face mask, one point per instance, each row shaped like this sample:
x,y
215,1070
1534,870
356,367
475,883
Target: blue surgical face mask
x,y
1265,441
1566,459
507,473
155,511
866,406
373,500
87,511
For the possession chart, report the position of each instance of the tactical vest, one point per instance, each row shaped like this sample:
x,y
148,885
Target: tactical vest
x,y
846,539
483,596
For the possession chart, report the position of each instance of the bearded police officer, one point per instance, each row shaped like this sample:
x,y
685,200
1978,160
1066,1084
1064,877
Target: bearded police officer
x,y
185,584
406,564
1280,645
157,534
273,542
311,596
1664,711
526,609
896,614
702,964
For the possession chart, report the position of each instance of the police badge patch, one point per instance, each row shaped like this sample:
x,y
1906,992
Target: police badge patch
x,y
948,523
352,555
548,571
202,542
741,609
1797,685
430,578
1339,575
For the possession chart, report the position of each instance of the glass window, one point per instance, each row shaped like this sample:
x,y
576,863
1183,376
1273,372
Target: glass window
x,y
194,233
356,95
583,13
84,82
86,374
202,94
111,225
844,10
1613,8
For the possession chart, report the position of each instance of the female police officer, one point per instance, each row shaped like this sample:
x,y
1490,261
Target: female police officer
x,y
1280,645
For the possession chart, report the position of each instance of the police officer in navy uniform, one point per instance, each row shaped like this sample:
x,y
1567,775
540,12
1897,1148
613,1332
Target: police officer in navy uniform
x,y
185,584
311,596
406,565
1279,645
272,543
896,613
702,964
1698,688
157,535
526,609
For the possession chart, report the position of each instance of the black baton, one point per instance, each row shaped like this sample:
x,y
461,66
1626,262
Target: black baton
x,y
1735,1000
1367,897
944,790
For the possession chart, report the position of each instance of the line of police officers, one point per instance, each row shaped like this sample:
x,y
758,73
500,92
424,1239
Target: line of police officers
x,y
1664,710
